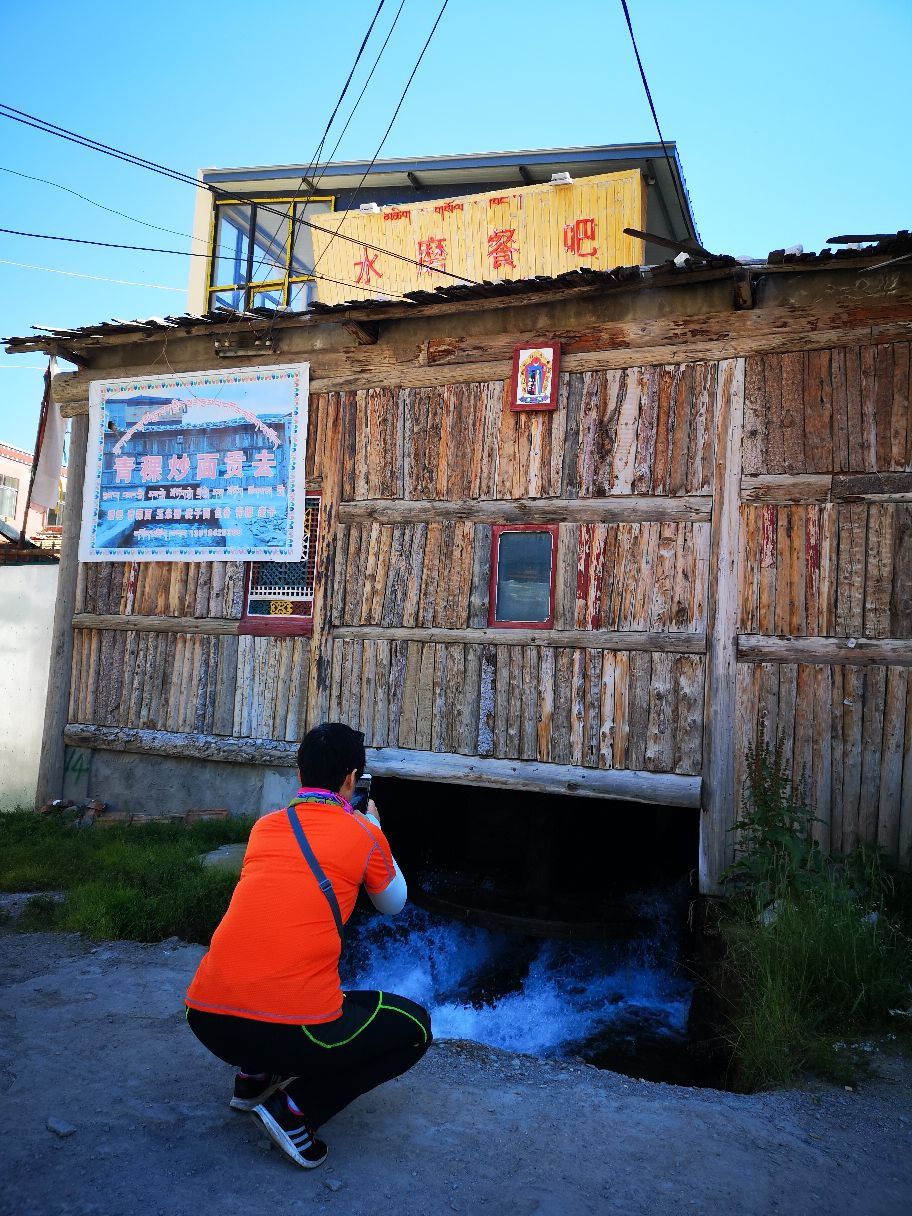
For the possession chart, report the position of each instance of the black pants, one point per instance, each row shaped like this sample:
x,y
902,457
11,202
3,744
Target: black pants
x,y
379,1036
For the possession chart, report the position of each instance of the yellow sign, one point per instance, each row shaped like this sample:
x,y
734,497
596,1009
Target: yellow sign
x,y
515,234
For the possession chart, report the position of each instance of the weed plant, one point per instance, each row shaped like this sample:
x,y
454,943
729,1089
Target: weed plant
x,y
817,948
145,882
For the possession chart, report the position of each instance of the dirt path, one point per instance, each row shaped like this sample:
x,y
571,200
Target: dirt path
x,y
94,1036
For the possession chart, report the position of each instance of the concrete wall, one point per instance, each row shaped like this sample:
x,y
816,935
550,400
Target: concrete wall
x,y
27,596
152,785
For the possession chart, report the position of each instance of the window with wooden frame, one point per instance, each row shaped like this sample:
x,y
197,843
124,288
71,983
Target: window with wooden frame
x,y
279,596
260,259
523,568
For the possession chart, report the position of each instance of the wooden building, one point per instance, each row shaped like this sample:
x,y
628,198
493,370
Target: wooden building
x,y
727,485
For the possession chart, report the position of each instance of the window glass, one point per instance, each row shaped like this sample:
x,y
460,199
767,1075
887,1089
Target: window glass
x,y
267,296
232,298
287,588
270,242
229,255
300,294
523,576
302,258
9,496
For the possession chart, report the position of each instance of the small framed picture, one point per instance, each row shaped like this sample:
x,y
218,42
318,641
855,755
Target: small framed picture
x,y
534,385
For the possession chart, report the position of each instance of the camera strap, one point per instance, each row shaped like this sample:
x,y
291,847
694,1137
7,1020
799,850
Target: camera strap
x,y
322,881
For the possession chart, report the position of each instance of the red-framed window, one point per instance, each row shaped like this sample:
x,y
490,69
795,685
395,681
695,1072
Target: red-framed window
x,y
523,570
278,596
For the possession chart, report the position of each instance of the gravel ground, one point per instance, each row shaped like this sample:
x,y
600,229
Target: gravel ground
x,y
112,1107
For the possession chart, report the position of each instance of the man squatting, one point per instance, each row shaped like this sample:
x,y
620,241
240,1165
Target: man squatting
x,y
266,997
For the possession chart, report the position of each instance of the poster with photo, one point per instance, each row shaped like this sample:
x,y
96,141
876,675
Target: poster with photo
x,y
196,466
534,384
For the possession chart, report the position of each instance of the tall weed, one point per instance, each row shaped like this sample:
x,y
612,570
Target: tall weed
x,y
814,950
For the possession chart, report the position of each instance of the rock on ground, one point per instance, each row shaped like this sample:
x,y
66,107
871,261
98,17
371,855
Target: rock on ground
x,y
93,1037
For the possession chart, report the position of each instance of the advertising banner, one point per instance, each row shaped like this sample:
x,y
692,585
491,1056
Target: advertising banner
x,y
196,466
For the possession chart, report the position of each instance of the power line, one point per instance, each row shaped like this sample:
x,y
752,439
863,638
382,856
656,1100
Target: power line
x,y
99,278
94,202
384,139
182,253
674,179
314,159
7,111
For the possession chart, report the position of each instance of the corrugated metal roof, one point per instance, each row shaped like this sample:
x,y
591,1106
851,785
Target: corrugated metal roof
x,y
896,246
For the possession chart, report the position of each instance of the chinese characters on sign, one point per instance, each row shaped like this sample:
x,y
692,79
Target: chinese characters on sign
x,y
196,467
526,231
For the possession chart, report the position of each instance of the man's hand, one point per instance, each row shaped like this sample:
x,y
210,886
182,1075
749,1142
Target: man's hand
x,y
371,810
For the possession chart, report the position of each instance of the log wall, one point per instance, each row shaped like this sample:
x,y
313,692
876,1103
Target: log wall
x,y
733,496
826,555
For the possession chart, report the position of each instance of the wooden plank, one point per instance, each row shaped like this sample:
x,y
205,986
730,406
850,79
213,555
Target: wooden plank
x,y
514,706
528,738
853,698
414,575
687,679
871,750
408,715
872,487
154,624
380,736
756,419
890,803
900,624
718,796
660,727
619,507
905,819
638,708
225,686
668,789
398,656
425,698
787,488
487,700
878,580
597,639
852,525
837,752
818,410
785,649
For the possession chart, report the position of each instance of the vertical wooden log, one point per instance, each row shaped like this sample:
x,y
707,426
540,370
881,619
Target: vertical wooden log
x,y
890,807
486,701
50,768
718,787
871,750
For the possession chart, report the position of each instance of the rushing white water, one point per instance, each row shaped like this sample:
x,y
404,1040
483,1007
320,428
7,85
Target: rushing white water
x,y
540,997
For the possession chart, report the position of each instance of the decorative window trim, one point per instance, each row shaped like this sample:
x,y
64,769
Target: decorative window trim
x,y
279,625
497,530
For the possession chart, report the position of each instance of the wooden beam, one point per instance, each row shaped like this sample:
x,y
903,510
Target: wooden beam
x,y
618,509
365,333
787,488
872,487
50,767
718,795
765,648
198,626
579,639
668,789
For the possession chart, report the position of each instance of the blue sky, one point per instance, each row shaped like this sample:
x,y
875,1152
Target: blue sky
x,y
791,121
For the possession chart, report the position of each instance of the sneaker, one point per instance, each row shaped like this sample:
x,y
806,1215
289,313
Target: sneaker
x,y
250,1091
291,1132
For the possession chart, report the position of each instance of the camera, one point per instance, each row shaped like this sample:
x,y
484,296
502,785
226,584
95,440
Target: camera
x,y
362,793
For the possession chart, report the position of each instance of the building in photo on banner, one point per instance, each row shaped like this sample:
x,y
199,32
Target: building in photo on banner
x,y
692,534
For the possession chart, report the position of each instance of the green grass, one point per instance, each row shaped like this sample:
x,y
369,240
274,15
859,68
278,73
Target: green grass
x,y
822,974
145,882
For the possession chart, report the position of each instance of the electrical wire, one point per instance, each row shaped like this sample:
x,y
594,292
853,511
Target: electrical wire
x,y
7,111
183,253
674,180
315,158
94,202
98,278
389,128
